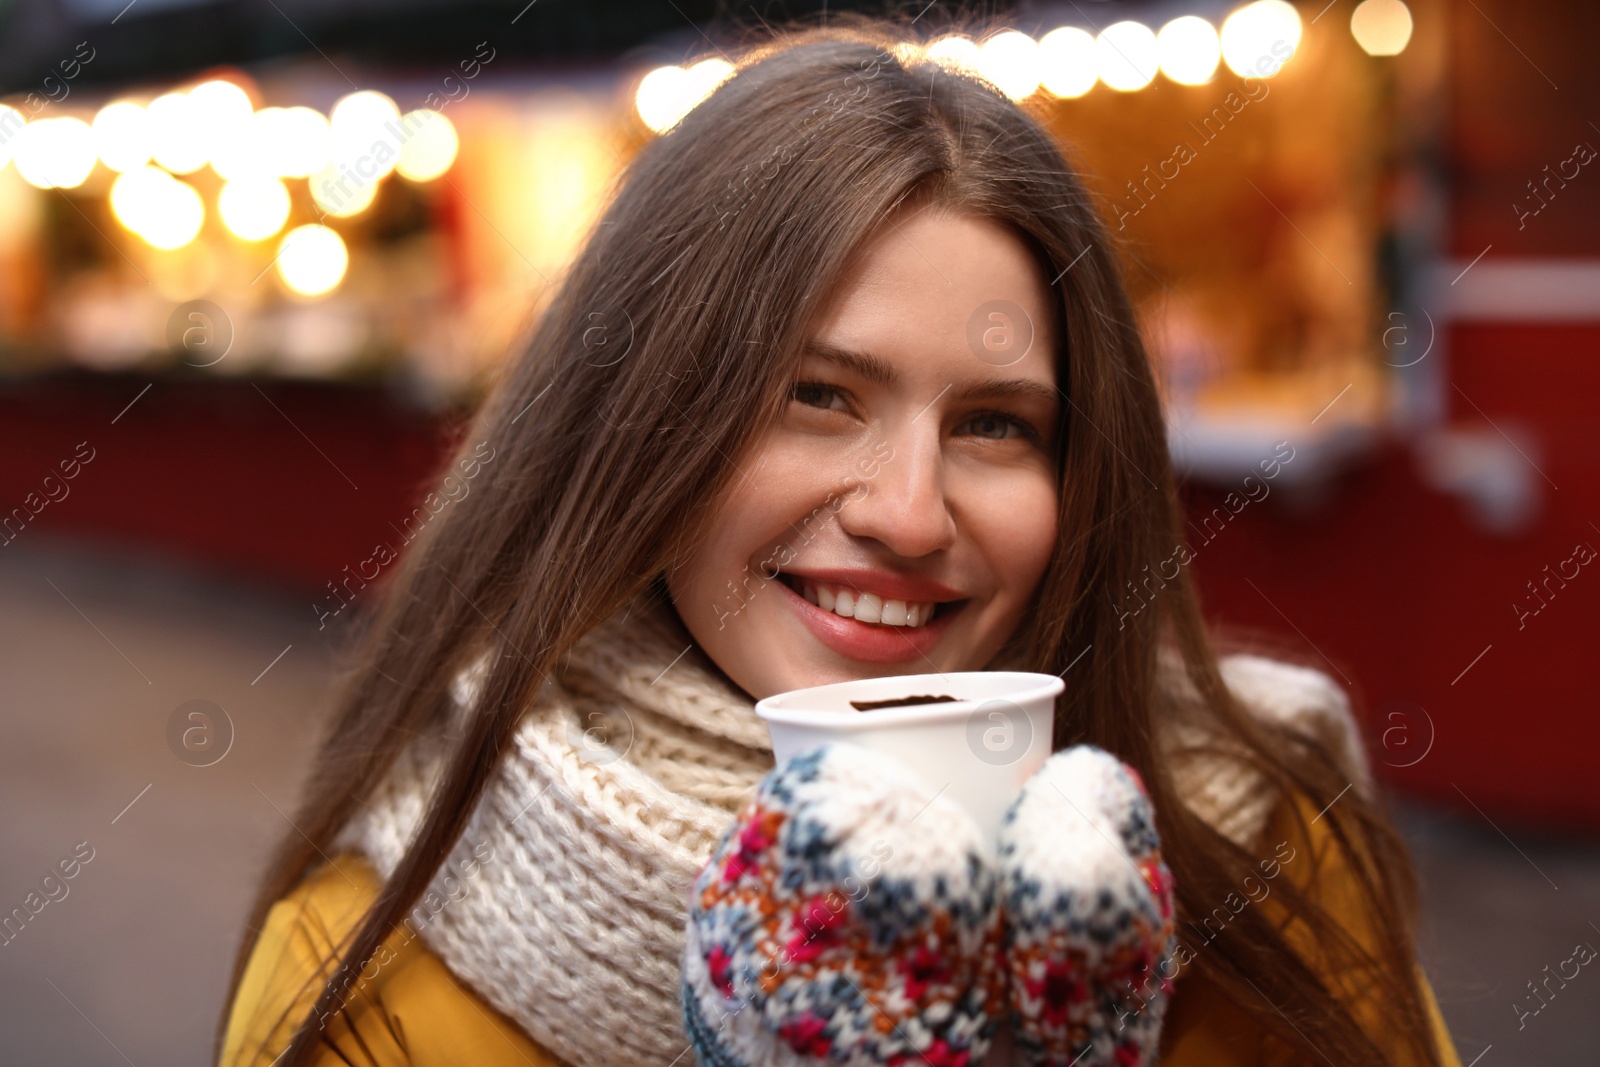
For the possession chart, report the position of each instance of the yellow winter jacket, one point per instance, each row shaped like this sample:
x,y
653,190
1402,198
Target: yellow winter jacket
x,y
414,1012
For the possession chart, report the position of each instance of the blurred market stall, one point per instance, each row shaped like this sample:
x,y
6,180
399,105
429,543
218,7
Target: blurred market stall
x,y
261,260
284,223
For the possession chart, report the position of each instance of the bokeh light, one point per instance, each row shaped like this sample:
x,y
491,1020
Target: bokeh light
x,y
243,151
253,208
365,135
1189,50
659,99
1128,55
54,153
164,211
297,139
176,137
705,76
667,94
1069,62
121,136
430,147
340,192
957,51
312,260
1259,38
220,107
1381,27
1010,61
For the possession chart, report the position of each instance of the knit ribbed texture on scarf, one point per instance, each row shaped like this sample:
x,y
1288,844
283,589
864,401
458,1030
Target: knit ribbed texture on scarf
x,y
619,780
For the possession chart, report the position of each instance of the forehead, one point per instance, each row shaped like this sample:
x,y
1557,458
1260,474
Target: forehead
x,y
933,285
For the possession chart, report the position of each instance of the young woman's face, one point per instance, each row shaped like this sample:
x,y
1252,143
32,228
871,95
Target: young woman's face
x,y
899,515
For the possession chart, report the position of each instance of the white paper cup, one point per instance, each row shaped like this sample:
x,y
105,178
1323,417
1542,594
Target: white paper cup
x,y
978,750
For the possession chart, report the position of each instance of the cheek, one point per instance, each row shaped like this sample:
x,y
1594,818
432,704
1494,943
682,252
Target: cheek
x,y
1014,530
716,557
751,521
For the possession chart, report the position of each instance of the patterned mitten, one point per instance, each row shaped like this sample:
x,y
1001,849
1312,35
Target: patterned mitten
x,y
1087,907
849,915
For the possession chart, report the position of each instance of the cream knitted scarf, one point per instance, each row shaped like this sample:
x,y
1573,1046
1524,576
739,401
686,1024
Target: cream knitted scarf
x,y
620,778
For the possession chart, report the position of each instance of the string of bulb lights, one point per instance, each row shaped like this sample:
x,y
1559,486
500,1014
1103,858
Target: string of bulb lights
x,y
342,157
1068,62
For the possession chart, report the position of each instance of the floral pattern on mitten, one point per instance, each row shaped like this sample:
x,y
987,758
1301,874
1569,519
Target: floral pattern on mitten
x,y
849,915
1087,905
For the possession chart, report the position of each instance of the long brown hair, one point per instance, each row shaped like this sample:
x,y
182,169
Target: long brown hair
x,y
722,239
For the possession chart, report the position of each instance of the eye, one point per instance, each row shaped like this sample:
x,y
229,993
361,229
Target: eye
x,y
818,395
998,426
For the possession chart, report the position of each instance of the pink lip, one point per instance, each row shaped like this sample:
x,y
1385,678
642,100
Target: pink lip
x,y
866,642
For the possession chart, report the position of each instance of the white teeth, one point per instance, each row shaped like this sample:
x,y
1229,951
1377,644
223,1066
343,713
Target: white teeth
x,y
865,607
869,608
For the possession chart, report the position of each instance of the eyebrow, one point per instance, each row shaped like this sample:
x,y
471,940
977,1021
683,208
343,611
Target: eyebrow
x,y
879,372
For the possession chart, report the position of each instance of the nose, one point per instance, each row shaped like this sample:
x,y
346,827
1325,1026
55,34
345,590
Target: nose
x,y
904,506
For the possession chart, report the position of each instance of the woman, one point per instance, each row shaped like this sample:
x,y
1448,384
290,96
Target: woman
x,y
844,384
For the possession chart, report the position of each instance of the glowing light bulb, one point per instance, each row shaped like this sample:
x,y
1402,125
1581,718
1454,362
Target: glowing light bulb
x,y
121,136
364,131
220,101
1259,38
430,147
157,207
340,192
177,140
1128,55
244,152
1189,50
296,139
1070,62
1381,27
366,111
55,153
959,52
667,94
1010,61
253,208
659,99
133,193
705,76
221,112
178,218
312,260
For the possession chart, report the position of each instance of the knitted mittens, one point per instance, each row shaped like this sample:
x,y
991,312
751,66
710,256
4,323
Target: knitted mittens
x,y
1088,914
854,915
848,915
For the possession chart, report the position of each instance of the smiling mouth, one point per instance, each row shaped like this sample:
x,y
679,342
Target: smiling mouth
x,y
869,608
